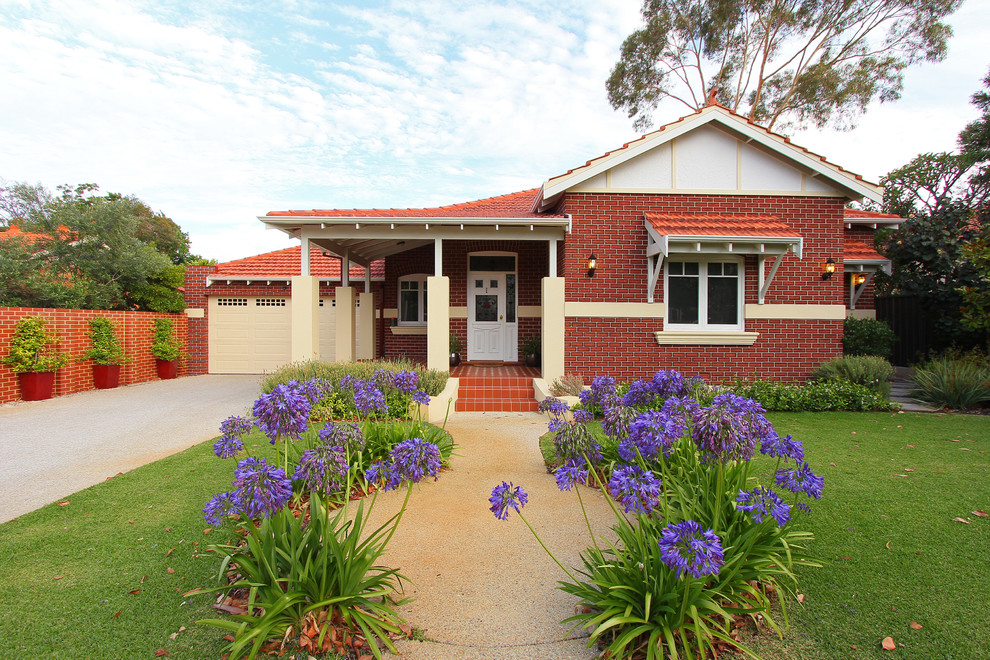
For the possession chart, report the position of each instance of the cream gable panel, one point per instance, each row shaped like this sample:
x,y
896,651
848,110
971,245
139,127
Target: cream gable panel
x,y
761,171
706,159
651,170
817,185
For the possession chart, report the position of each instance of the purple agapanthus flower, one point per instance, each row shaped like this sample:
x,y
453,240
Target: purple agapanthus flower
x,y
774,445
576,441
686,548
421,397
602,393
342,434
730,428
220,507
235,426
505,496
572,472
283,413
228,447
313,389
681,407
368,398
347,382
383,379
650,433
640,393
555,410
637,489
406,381
583,416
762,502
801,480
668,383
261,489
323,468
381,473
616,421
410,460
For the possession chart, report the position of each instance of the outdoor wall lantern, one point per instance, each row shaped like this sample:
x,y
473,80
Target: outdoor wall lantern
x,y
859,279
592,265
829,269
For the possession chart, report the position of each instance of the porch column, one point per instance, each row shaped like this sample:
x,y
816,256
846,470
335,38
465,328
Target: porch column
x,y
305,339
345,323
438,323
366,323
553,328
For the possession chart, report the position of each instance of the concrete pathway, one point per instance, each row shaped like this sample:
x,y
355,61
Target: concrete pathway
x,y
56,447
484,588
900,392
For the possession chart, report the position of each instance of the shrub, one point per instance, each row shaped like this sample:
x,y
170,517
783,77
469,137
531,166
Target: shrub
x,y
867,337
813,397
567,385
164,345
34,348
870,370
106,348
431,382
955,384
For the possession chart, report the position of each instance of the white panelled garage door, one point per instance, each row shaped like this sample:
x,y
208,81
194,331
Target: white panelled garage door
x,y
249,335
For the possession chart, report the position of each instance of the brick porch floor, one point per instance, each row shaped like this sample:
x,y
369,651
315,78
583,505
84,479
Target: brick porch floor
x,y
495,388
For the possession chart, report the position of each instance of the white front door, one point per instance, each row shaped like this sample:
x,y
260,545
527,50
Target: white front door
x,y
491,323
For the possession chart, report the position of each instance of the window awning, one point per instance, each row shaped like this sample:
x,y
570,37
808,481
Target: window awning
x,y
859,257
719,233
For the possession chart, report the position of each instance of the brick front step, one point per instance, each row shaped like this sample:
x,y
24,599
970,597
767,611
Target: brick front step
x,y
495,394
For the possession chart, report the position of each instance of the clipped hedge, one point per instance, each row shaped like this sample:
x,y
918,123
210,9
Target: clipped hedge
x,y
813,396
867,337
870,370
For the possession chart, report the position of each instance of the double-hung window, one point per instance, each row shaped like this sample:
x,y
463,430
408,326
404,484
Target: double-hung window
x,y
704,294
412,300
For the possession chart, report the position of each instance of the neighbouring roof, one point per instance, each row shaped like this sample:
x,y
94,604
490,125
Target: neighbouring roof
x,y
872,219
555,186
858,251
283,264
512,205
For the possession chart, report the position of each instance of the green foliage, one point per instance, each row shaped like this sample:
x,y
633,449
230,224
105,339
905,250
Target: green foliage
x,y
162,291
869,370
533,345
106,347
792,63
455,343
164,345
431,382
813,396
976,296
953,384
34,348
867,337
975,138
295,568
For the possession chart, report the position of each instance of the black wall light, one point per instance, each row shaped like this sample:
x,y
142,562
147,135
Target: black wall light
x,y
829,269
592,265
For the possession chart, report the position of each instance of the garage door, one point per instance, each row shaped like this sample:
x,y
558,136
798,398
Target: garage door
x,y
249,335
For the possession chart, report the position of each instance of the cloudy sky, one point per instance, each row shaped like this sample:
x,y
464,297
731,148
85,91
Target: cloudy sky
x,y
218,112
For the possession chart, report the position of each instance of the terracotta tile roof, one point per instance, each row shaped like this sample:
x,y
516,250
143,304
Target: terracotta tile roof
x,y
860,213
778,136
513,205
15,231
720,224
853,250
286,263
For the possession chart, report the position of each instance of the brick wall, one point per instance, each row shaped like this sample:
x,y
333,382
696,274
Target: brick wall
x,y
134,329
611,226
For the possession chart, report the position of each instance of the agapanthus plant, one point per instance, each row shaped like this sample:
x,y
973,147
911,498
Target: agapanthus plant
x,y
637,489
686,548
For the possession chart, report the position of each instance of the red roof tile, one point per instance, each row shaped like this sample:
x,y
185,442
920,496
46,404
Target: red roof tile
x,y
859,251
860,213
286,263
513,205
720,224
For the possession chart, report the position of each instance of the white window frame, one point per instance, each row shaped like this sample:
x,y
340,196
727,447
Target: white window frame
x,y
419,278
703,325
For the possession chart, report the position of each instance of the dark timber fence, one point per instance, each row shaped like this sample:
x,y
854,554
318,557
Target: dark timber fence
x,y
911,323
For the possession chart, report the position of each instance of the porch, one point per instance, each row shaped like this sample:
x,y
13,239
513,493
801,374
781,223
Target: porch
x,y
495,388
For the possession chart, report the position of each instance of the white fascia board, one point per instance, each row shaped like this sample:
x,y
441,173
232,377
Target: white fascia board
x,y
878,223
795,244
282,220
222,279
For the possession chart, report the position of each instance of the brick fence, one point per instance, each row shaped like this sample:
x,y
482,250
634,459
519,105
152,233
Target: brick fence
x,y
71,325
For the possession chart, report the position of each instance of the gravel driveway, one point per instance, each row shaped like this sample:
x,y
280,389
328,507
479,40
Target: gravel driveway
x,y
56,447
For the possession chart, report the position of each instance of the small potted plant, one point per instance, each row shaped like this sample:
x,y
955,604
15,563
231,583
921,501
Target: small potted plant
x,y
531,349
455,350
166,348
106,353
34,357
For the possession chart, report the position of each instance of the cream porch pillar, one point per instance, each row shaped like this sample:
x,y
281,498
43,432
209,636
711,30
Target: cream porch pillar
x,y
305,340
553,328
438,323
366,321
345,323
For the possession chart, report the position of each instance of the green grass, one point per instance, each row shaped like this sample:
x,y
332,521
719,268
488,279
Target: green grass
x,y
67,571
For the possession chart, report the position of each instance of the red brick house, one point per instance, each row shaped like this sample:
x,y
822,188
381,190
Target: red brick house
x,y
711,246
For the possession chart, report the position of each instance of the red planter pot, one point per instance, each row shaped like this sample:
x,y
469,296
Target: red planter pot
x,y
106,376
36,386
168,369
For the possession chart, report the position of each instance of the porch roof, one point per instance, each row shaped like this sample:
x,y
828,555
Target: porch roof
x,y
366,235
282,265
